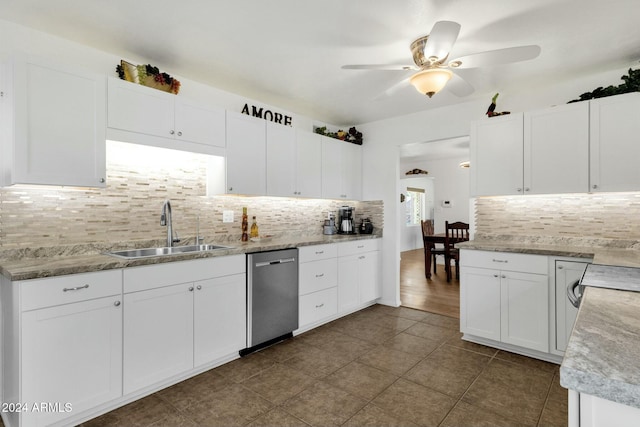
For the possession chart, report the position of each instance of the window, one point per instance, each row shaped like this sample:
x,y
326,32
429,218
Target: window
x,y
415,206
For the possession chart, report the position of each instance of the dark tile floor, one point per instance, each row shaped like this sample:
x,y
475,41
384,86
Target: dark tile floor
x,y
382,366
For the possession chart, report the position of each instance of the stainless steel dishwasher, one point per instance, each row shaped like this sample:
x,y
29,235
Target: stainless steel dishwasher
x,y
272,297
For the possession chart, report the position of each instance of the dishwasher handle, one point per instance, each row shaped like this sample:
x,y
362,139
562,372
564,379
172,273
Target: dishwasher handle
x,y
275,261
574,297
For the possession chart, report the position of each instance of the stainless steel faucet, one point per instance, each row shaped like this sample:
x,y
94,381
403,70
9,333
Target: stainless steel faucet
x,y
167,220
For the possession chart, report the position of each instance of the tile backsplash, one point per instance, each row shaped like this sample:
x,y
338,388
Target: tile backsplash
x,y
139,179
592,217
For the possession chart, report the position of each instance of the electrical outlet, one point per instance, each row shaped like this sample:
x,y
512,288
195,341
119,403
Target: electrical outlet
x,y
227,216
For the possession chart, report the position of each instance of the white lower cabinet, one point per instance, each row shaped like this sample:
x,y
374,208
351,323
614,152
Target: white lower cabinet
x,y
170,328
317,284
62,346
358,274
586,410
505,298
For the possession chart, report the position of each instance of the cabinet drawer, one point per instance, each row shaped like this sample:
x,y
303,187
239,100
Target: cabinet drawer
x,y
317,252
318,275
318,305
505,261
357,246
39,293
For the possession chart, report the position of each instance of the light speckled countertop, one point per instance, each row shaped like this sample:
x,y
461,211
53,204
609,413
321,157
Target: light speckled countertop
x,y
57,261
602,354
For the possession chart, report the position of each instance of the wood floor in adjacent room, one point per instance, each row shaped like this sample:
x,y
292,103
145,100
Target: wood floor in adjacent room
x,y
434,295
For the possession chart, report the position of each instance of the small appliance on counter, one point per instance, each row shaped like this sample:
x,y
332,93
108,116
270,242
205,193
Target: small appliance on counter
x,y
366,227
329,226
345,220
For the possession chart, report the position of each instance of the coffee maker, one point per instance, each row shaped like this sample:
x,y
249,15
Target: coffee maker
x,y
345,220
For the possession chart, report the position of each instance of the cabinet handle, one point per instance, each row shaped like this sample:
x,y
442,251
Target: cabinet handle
x,y
77,288
503,276
190,288
362,257
519,190
594,186
199,287
526,189
230,188
102,180
500,260
319,275
560,267
171,132
495,275
361,246
320,306
179,133
319,252
117,303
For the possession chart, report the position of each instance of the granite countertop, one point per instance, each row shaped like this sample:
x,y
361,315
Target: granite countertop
x,y
25,264
628,256
602,354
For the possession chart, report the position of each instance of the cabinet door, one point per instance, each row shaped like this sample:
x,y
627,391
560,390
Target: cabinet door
x,y
136,108
556,149
615,143
567,272
525,310
308,164
480,302
158,335
281,158
59,125
246,155
496,150
71,353
369,276
348,289
351,171
331,169
198,123
220,318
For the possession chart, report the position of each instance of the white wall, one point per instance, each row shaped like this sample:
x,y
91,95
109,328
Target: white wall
x,y
411,236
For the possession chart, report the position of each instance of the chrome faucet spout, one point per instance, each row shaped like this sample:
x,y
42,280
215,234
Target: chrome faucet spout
x,y
167,221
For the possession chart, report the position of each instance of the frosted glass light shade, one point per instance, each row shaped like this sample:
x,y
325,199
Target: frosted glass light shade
x,y
430,81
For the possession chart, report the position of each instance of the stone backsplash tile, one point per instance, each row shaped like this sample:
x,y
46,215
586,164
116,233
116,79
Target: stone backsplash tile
x,y
139,179
606,216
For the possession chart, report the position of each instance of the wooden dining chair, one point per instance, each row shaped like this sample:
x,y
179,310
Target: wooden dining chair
x,y
455,232
429,247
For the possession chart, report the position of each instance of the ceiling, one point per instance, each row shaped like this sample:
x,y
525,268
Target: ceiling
x,y
288,53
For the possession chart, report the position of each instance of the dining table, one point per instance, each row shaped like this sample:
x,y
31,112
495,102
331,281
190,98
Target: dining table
x,y
429,243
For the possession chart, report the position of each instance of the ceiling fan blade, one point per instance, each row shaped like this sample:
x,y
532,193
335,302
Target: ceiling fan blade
x,y
459,86
441,39
497,57
389,67
400,84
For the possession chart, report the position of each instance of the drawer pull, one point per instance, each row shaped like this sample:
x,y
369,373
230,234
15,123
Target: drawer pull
x,y
362,257
319,275
320,306
117,303
503,276
361,246
319,252
495,275
77,288
500,260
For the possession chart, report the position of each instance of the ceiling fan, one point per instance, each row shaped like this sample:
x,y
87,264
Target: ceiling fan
x,y
434,69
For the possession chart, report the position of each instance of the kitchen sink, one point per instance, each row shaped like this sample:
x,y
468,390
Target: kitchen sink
x,y
150,252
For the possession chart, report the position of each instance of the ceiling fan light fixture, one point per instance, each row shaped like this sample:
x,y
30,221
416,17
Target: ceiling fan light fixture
x,y
430,81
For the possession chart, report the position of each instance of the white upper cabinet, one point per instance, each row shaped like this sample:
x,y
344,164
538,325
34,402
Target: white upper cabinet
x,y
496,156
556,149
341,169
308,164
615,143
281,160
53,125
246,164
140,114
